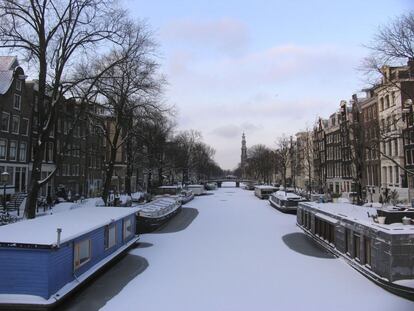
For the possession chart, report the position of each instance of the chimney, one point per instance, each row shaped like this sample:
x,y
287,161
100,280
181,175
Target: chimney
x,y
59,232
410,65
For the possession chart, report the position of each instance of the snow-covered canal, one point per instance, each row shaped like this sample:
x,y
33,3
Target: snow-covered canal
x,y
232,251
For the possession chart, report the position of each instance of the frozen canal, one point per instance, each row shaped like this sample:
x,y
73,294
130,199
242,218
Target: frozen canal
x,y
232,251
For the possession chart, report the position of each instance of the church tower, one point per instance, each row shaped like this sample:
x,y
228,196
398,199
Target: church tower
x,y
243,156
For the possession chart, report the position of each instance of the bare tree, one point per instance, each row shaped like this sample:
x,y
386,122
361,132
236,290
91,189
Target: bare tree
x,y
54,35
129,89
283,155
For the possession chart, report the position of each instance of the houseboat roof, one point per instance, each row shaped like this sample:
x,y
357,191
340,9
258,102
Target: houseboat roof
x,y
158,204
170,187
265,187
359,214
74,223
287,195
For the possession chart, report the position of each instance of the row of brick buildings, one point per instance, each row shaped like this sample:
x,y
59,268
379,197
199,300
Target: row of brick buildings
x,y
369,138
80,171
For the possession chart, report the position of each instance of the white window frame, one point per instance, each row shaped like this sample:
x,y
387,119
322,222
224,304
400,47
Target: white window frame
x,y
19,84
5,148
76,250
19,97
20,151
110,229
8,121
15,117
15,154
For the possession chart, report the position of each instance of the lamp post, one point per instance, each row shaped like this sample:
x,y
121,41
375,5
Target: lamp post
x,y
4,180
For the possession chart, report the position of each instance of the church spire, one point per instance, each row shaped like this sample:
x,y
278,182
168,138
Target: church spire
x,y
243,155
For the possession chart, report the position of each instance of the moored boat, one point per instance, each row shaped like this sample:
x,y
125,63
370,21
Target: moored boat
x,y
186,196
43,260
155,213
285,201
360,236
197,189
263,191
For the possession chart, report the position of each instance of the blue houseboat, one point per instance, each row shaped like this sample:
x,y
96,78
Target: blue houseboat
x,y
44,259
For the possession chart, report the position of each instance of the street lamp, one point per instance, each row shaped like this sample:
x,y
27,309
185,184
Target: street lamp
x,y
4,180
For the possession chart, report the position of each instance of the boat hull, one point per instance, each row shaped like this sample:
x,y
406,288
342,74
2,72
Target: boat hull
x,y
403,291
149,224
284,209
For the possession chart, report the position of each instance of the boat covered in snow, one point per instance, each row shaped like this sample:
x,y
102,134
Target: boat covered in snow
x,y
197,189
186,196
285,201
152,215
43,260
263,191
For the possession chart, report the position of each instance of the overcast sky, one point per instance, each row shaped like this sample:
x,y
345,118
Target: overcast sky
x,y
260,67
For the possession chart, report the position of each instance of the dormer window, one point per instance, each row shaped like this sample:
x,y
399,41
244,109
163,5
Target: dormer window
x,y
18,85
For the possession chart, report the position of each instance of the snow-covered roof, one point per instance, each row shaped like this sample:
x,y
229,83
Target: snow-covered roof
x,y
74,223
286,195
265,187
359,214
7,67
170,187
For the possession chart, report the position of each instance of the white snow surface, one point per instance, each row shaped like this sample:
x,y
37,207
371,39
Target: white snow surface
x,y
74,223
232,258
286,195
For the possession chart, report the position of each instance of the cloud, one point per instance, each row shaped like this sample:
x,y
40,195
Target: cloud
x,y
281,89
233,131
226,35
227,131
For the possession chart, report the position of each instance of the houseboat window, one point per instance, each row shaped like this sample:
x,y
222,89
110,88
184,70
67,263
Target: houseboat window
x,y
82,253
110,236
368,251
348,241
357,246
303,217
127,230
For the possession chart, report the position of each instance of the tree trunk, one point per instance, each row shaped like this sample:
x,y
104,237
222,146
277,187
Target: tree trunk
x,y
34,186
129,168
110,167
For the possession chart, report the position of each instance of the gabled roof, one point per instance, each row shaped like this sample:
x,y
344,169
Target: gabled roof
x,y
8,64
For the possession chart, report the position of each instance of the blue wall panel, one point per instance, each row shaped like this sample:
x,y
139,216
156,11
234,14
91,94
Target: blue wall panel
x,y
24,271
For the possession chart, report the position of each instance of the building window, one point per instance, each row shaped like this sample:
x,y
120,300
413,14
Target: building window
x,y
5,120
17,101
50,151
110,236
15,125
18,85
22,152
396,147
3,149
127,228
24,126
82,253
13,150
